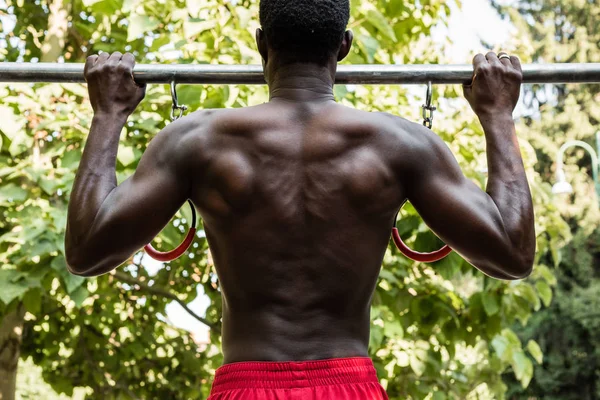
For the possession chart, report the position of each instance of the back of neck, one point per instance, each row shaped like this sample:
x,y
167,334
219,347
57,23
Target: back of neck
x,y
301,82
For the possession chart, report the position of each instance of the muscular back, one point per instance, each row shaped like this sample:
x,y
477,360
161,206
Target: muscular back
x,y
298,202
298,198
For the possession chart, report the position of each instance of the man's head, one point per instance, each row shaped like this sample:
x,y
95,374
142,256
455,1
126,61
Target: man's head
x,y
305,31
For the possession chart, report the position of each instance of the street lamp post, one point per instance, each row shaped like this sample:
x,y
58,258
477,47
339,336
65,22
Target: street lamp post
x,y
562,186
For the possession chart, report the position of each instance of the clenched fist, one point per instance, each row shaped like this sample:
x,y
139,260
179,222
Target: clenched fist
x,y
111,85
496,84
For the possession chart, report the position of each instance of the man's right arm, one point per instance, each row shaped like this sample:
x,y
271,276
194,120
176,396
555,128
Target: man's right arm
x,y
494,230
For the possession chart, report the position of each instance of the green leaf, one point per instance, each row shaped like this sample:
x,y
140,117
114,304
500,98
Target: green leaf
x,y
186,212
6,171
340,91
20,144
12,125
547,274
40,248
70,159
380,22
526,291
10,290
193,28
376,337
555,247
402,358
490,303
449,266
13,283
108,7
77,90
389,276
502,347
417,363
189,95
193,6
545,292
439,396
523,368
71,282
493,325
511,337
126,155
139,25
33,301
48,185
520,308
369,46
535,351
79,295
12,192
476,307
393,329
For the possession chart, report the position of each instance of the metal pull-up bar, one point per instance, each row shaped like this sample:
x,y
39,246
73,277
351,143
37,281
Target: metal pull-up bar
x,y
253,74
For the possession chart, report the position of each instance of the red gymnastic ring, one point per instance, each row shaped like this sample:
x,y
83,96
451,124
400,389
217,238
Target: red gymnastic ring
x,y
415,255
181,249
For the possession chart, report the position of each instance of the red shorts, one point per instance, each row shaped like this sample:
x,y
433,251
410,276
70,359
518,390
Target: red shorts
x,y
338,379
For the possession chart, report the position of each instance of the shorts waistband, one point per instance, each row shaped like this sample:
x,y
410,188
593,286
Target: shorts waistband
x,y
291,375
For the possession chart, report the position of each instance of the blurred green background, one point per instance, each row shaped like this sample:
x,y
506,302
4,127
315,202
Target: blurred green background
x,y
440,331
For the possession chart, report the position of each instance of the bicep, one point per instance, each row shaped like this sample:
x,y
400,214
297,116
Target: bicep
x,y
139,208
456,209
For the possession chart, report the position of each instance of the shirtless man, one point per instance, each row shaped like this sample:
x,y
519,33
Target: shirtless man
x,y
298,198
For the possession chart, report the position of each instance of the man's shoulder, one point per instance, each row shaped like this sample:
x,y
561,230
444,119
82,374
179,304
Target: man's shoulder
x,y
399,131
204,129
233,120
195,126
406,144
197,120
185,135
398,125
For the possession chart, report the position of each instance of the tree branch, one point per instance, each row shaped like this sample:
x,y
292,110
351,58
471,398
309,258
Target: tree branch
x,y
103,372
126,278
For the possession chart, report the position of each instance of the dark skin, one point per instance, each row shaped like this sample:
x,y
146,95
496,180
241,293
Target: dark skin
x,y
298,198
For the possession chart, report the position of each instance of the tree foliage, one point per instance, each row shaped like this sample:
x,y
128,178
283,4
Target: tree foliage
x,y
438,331
568,331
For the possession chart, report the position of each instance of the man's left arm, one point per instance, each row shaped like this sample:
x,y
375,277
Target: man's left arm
x,y
107,223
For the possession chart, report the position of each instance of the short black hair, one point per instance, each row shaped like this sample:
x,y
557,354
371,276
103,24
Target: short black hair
x,y
305,30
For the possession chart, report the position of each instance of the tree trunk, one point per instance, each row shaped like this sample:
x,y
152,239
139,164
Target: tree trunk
x,y
58,24
11,326
11,334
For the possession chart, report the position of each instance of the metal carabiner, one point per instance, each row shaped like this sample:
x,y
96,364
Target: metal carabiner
x,y
428,109
182,108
